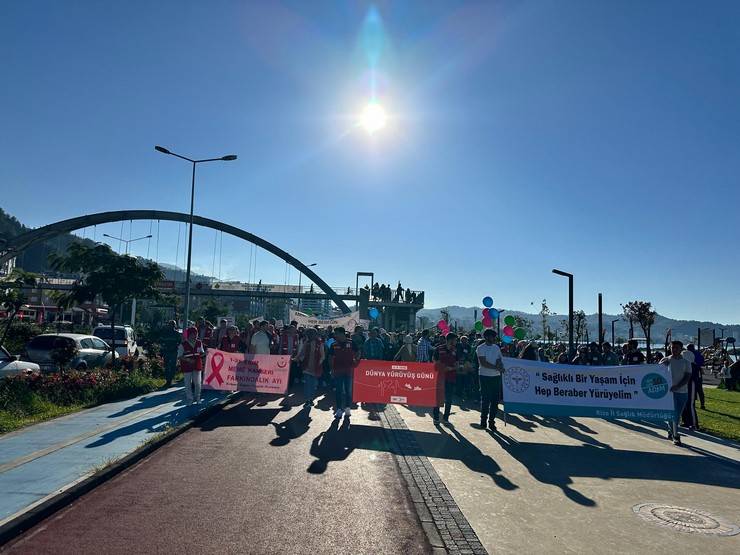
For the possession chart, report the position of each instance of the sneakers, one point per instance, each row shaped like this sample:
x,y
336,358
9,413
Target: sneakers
x,y
347,412
492,425
670,434
338,414
482,423
677,441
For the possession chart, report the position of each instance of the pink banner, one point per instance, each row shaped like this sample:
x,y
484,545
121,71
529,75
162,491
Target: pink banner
x,y
241,372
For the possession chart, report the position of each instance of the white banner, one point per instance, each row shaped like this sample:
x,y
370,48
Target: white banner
x,y
347,321
639,392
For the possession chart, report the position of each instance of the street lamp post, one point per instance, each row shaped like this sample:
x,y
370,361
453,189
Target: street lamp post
x,y
570,309
616,320
498,323
227,158
300,275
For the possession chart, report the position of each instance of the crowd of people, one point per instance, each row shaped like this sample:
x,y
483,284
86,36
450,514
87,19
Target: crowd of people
x,y
386,294
472,362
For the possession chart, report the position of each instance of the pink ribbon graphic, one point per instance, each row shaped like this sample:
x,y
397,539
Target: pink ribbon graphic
x,y
217,362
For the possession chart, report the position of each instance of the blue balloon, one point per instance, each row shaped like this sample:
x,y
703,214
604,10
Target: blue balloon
x,y
374,313
493,313
487,302
507,339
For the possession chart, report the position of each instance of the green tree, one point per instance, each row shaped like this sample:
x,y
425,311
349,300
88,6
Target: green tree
x,y
579,325
13,296
544,313
642,312
210,309
103,273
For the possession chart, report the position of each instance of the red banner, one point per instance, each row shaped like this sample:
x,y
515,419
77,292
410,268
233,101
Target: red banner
x,y
407,383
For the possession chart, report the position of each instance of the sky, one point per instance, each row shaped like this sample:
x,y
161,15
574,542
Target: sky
x,y
597,137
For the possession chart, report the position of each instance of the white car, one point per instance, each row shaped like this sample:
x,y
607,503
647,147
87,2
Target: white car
x,y
124,342
11,366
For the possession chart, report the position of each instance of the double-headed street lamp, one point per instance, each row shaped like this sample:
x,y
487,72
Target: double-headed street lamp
x,y
127,241
300,275
570,309
226,158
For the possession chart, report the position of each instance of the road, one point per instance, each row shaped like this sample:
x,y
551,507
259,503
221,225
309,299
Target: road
x,y
259,477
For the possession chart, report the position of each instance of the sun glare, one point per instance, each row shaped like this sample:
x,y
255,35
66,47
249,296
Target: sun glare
x,y
373,118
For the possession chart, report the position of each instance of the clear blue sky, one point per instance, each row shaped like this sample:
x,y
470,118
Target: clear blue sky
x,y
596,136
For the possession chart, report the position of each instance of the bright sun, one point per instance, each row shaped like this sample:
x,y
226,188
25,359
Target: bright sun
x,y
373,118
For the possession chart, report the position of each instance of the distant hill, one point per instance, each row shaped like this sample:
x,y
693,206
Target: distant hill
x,y
685,330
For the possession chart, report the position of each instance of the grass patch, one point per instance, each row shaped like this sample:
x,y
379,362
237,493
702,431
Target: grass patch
x,y
722,414
25,401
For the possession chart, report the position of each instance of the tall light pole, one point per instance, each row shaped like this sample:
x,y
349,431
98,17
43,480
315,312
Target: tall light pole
x,y
300,275
127,241
617,320
226,158
570,309
498,323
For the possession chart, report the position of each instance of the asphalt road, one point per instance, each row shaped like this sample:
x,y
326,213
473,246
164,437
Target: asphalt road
x,y
256,478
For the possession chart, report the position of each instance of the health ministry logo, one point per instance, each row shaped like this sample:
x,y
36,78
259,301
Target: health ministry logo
x,y
654,386
516,379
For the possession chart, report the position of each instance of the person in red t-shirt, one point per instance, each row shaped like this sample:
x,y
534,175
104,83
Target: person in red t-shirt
x,y
445,358
343,357
231,341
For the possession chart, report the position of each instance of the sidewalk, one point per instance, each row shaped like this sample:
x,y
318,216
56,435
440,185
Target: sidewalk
x,y
46,459
574,485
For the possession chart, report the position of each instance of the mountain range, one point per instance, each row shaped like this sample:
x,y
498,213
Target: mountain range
x,y
684,330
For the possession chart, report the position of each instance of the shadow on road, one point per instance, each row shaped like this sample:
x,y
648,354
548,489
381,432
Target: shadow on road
x,y
150,424
292,428
149,402
558,464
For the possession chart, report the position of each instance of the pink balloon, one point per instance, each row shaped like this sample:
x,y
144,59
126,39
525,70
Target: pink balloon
x,y
486,312
487,322
441,324
508,330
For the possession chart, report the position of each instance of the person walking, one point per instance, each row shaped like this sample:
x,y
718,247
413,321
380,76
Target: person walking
x,y
609,357
407,352
374,348
689,417
170,340
343,357
424,348
490,367
680,378
261,340
190,355
697,372
445,357
231,342
312,359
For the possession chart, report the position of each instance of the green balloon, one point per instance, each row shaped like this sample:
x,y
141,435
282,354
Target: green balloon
x,y
520,333
510,321
479,326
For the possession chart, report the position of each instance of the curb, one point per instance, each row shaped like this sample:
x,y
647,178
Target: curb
x,y
444,524
35,515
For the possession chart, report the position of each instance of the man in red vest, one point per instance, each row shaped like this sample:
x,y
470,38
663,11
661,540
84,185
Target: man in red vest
x,y
190,356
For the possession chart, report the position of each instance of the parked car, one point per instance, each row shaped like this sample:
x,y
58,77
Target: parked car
x,y
11,366
91,351
124,341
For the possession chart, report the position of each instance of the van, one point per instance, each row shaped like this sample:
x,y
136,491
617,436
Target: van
x,y
124,342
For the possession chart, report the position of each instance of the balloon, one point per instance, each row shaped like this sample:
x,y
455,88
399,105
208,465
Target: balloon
x,y
487,322
441,324
510,321
479,326
486,312
520,333
506,339
493,313
487,302
508,330
374,313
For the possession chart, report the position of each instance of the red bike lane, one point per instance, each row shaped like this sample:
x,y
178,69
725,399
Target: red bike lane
x,y
258,477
